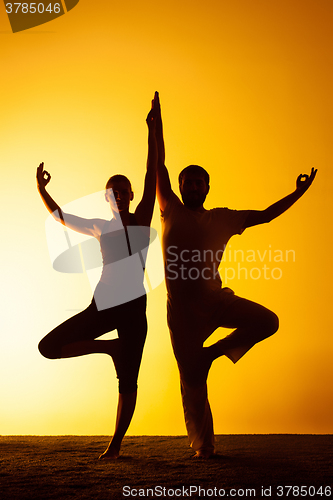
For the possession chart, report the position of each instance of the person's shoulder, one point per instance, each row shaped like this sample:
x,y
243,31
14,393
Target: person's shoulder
x,y
223,214
99,226
99,223
225,210
174,199
133,219
173,203
231,218
220,211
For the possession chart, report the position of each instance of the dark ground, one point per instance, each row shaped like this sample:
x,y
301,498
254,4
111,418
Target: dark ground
x,y
66,467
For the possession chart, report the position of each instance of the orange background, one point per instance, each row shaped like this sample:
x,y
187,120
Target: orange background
x,y
246,92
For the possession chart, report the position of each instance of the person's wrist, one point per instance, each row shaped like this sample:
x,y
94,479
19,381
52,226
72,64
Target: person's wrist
x,y
299,191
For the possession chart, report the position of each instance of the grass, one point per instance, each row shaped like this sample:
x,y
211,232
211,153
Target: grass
x,y
66,467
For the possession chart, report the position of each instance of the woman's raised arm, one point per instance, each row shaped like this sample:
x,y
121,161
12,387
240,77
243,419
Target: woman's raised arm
x,y
92,227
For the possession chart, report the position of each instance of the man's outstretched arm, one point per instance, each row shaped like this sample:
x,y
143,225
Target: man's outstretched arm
x,y
256,217
163,187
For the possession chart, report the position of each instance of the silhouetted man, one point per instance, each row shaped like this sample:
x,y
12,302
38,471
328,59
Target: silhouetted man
x,y
193,242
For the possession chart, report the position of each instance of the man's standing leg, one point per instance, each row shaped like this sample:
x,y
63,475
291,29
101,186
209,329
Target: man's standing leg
x,y
193,370
198,419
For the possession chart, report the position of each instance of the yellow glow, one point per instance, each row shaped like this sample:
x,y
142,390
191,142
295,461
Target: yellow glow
x,y
246,92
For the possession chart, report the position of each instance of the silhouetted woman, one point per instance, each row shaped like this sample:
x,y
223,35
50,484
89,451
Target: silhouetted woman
x,y
77,336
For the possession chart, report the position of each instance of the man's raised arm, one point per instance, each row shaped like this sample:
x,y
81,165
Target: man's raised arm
x,y
163,181
144,210
256,217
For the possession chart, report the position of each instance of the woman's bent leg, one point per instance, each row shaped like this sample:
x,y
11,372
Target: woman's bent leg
x,y
75,337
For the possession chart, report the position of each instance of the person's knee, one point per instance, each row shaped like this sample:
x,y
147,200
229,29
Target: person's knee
x,y
47,350
127,379
270,323
127,386
193,376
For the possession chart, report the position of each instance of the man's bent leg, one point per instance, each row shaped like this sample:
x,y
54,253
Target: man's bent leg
x,y
253,324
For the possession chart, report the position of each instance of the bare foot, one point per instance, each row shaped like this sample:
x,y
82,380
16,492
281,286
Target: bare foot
x,y
109,454
204,454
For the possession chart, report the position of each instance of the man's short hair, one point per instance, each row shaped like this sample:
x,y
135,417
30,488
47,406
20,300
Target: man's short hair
x,y
118,178
194,169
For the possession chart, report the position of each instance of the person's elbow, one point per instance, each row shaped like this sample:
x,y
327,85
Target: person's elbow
x,y
266,216
59,216
257,217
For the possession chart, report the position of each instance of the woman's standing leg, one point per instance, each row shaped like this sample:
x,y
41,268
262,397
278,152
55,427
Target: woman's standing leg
x,y
132,331
125,410
76,337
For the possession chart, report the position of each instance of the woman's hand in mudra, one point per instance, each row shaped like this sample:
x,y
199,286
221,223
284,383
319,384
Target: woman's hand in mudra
x,y
42,176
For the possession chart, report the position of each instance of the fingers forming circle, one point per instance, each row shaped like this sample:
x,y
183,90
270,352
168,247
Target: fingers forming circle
x,y
46,176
